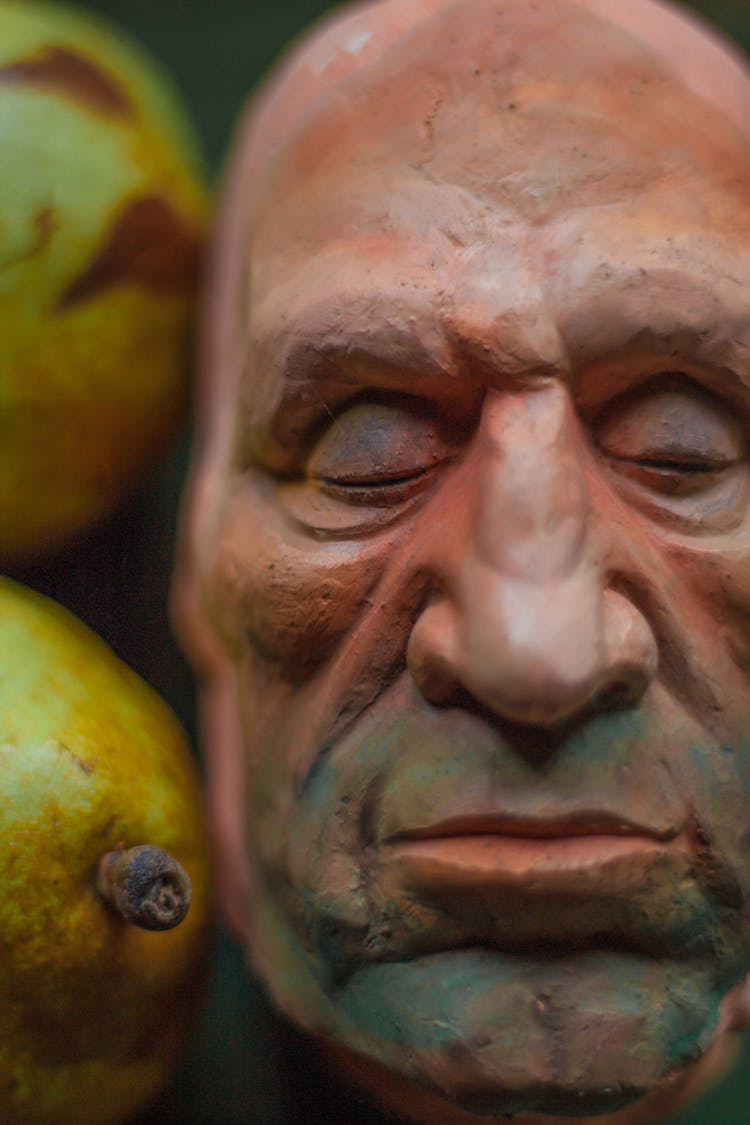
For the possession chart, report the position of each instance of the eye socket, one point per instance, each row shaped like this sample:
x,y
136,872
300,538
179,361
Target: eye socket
x,y
378,453
674,439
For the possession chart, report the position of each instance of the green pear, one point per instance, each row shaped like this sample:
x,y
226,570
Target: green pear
x,y
101,222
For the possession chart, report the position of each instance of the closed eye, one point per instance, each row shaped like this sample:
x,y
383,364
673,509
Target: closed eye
x,y
674,438
378,453
379,490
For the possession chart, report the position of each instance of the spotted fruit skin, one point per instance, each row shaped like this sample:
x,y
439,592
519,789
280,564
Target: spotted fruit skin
x,y
101,222
93,1010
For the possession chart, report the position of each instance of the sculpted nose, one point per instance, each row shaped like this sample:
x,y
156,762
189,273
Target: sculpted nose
x,y
524,622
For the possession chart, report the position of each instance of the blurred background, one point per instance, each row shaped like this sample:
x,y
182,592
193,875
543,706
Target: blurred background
x,y
243,1065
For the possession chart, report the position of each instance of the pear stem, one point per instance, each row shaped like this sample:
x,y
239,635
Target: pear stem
x,y
145,885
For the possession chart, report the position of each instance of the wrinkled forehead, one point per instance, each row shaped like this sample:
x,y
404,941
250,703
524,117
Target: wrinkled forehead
x,y
512,110
360,36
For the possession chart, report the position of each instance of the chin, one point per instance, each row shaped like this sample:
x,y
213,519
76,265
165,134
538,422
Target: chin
x,y
545,1031
474,1034
411,1102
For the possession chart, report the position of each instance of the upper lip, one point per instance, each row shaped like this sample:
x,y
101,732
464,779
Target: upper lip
x,y
541,826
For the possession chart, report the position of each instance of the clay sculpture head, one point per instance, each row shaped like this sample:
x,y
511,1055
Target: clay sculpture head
x,y
466,559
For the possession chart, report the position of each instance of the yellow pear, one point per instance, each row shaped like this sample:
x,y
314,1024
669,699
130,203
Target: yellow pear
x,y
102,839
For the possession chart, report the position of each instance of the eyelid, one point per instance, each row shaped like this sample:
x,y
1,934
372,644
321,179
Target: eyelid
x,y
673,422
296,424
377,441
676,461
673,481
383,492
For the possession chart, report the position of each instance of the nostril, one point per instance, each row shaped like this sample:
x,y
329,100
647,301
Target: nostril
x,y
431,654
631,654
627,689
619,695
437,685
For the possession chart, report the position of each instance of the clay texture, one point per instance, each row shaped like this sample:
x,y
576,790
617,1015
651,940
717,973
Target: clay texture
x,y
466,552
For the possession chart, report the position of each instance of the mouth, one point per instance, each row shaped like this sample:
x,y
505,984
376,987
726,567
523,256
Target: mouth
x,y
565,826
572,855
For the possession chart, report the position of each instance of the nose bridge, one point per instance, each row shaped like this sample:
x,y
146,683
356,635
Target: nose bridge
x,y
530,594
526,622
530,522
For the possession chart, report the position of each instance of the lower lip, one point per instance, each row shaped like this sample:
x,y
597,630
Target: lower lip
x,y
528,864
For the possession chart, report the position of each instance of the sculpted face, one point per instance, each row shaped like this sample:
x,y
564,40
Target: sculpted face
x,y
476,553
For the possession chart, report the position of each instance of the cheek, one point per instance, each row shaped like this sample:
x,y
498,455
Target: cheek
x,y
288,596
733,610
709,592
712,599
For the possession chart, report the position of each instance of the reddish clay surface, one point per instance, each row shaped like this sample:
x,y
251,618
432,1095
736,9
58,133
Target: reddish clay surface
x,y
465,557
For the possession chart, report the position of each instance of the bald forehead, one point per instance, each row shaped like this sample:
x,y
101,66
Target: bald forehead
x,y
362,36
527,110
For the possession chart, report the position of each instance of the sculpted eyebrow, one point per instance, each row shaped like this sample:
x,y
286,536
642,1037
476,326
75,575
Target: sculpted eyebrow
x,y
336,346
669,315
314,361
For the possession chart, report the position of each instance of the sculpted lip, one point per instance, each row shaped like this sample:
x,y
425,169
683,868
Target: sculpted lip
x,y
567,853
563,826
562,880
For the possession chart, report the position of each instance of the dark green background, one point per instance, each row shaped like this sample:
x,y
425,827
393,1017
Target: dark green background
x,y
244,1065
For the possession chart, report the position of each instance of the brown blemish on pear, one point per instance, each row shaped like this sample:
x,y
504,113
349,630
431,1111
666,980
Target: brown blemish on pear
x,y
66,72
149,245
